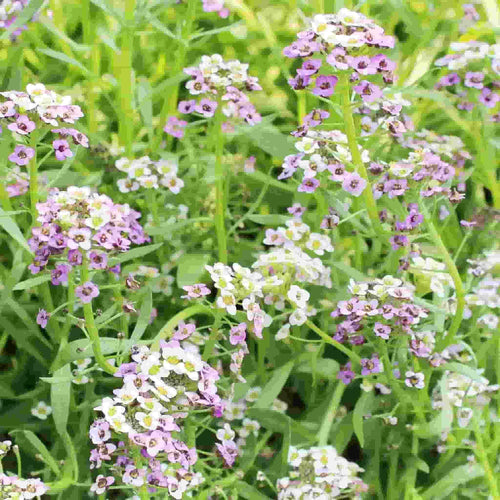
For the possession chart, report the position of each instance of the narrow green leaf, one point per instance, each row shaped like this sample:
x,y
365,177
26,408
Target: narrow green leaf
x,y
269,219
268,138
362,406
60,56
135,253
249,492
272,389
32,282
350,271
13,230
145,103
144,317
190,268
60,394
325,368
451,481
463,370
40,448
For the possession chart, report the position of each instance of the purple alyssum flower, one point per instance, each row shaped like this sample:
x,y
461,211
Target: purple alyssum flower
x,y
42,318
353,183
22,155
87,292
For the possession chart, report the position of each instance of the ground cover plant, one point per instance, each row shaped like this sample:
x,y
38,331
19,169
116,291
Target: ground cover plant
x,y
248,249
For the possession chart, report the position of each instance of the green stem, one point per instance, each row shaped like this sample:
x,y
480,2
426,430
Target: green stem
x,y
170,103
326,425
412,473
212,339
126,125
220,209
351,355
92,328
171,324
392,493
4,198
350,130
452,269
89,39
483,458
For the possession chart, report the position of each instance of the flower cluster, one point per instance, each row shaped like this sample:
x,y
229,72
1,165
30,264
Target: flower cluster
x,y
485,294
434,272
77,224
470,78
145,416
221,83
320,472
216,6
22,489
14,487
422,172
275,273
347,39
29,114
298,234
385,113
148,174
323,155
463,393
383,309
9,11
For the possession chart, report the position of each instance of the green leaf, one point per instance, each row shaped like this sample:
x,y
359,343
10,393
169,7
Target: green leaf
x,y
361,408
32,282
135,253
272,389
268,220
60,56
145,103
13,230
325,368
60,394
350,271
442,422
190,268
268,138
468,371
249,492
451,481
276,422
144,317
40,448
60,173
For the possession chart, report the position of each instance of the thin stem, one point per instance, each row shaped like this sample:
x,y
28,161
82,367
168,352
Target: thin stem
x,y
169,327
212,339
329,417
483,458
412,473
126,126
220,209
170,102
350,131
351,355
4,198
92,328
392,493
88,37
452,269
